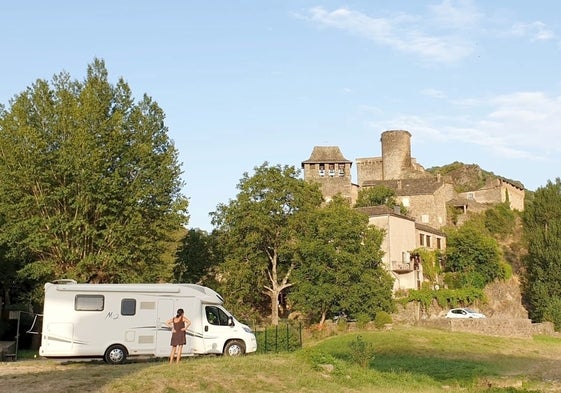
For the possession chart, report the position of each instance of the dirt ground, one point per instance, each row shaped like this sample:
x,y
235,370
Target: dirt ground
x,y
49,376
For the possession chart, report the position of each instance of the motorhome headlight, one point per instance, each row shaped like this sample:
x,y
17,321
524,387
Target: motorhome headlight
x,y
247,329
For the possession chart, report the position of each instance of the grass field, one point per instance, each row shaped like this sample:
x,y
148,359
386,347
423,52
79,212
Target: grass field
x,y
405,359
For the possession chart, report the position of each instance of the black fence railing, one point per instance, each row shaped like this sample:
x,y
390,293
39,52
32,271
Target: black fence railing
x,y
284,337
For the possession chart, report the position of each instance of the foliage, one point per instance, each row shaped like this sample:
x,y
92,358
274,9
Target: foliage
x,y
362,352
382,318
362,319
445,297
197,255
89,182
430,261
542,230
339,266
377,196
256,233
474,255
500,220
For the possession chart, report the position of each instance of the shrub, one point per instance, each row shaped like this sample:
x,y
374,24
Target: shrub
x,y
361,352
362,320
382,318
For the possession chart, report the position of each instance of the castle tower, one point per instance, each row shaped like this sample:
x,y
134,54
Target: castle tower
x,y
396,154
331,170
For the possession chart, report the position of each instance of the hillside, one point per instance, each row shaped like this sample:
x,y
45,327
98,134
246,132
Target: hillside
x,y
467,177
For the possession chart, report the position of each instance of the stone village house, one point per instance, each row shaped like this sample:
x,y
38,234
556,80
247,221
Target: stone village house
x,y
427,198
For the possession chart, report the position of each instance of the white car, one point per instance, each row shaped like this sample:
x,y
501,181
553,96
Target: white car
x,y
464,313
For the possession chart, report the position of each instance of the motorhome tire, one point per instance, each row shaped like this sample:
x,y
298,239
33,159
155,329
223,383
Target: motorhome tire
x,y
234,348
115,354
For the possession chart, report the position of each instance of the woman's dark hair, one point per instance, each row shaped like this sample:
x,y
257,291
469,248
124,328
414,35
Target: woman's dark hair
x,y
179,313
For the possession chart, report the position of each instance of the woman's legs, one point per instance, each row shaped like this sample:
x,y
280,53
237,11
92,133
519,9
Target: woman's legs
x,y
178,351
172,354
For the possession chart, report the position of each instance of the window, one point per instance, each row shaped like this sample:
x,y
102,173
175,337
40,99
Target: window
x,y
128,306
89,302
428,241
425,218
341,169
422,239
331,170
216,316
438,243
322,170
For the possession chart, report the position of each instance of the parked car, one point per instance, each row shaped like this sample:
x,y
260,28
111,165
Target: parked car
x,y
464,313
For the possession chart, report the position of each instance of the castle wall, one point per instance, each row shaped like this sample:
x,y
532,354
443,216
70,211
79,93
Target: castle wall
x,y
333,179
429,209
369,169
497,192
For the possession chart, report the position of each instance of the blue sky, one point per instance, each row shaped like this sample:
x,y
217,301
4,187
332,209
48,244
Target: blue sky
x,y
244,82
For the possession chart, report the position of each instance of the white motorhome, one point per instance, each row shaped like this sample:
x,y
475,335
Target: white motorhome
x,y
114,321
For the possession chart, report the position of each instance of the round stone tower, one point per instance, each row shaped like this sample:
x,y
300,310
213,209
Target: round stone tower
x,y
396,154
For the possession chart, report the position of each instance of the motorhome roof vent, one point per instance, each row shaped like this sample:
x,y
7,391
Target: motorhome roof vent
x,y
64,281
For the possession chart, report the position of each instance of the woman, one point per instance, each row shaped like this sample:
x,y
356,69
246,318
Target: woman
x,y
178,325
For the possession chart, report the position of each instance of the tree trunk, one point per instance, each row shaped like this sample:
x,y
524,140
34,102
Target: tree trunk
x,y
275,307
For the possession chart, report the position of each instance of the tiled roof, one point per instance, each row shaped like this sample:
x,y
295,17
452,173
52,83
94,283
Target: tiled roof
x,y
326,154
425,186
381,210
427,228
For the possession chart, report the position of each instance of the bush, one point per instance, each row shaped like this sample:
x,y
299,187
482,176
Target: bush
x,y
552,313
361,352
382,318
362,320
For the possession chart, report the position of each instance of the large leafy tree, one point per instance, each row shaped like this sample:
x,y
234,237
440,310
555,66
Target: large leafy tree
x,y
542,229
473,256
197,255
378,196
256,233
90,184
339,264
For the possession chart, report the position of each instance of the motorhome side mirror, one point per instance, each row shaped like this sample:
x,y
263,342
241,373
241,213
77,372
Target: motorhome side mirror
x,y
230,321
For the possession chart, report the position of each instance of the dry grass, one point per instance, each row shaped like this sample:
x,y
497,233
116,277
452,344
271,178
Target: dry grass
x,y
500,365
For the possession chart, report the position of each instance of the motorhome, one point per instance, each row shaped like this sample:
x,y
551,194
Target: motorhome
x,y
115,321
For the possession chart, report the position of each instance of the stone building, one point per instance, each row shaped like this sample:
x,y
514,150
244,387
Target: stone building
x,y
425,196
498,190
332,171
402,236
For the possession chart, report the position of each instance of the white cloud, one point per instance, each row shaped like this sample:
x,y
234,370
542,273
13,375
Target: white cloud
x,y
458,14
397,32
536,31
434,93
520,125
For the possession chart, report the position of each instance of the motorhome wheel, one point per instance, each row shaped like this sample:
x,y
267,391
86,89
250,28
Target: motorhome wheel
x,y
115,354
234,348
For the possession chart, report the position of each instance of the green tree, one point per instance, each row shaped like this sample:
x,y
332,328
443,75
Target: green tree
x,y
378,196
542,230
474,256
196,256
256,233
90,185
339,264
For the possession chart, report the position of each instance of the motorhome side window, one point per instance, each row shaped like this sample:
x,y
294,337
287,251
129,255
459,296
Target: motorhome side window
x,y
89,302
215,316
128,306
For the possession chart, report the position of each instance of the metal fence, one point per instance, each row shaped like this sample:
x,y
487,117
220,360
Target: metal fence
x,y
284,337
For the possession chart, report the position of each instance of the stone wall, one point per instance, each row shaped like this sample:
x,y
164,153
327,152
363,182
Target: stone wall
x,y
503,327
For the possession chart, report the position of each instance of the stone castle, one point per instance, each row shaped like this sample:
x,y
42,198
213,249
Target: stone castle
x,y
428,198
